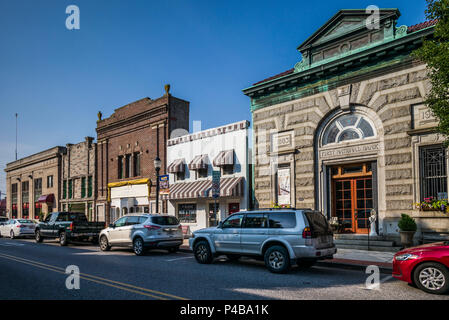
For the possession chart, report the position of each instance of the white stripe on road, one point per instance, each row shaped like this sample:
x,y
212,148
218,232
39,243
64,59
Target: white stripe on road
x,y
180,258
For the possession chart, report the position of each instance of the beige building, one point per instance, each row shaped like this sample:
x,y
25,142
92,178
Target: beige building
x,y
346,131
33,184
78,172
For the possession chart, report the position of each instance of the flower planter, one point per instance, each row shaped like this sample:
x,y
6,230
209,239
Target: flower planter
x,y
407,238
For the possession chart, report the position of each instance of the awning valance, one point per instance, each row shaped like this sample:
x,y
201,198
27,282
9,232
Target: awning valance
x,y
229,187
176,166
48,198
199,162
224,158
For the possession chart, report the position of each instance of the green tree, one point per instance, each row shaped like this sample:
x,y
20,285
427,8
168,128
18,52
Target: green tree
x,y
435,53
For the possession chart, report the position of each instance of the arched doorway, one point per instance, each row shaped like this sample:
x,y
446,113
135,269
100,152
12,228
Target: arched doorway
x,y
348,152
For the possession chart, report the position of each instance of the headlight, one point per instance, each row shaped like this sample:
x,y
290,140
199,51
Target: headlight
x,y
405,257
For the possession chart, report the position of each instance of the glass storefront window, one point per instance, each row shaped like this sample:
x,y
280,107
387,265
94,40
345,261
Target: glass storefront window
x,y
187,212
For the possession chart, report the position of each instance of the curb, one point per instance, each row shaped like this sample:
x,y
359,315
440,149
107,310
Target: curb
x,y
333,264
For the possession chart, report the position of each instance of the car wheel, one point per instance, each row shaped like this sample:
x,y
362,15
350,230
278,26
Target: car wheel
x,y
305,264
173,249
138,246
277,259
104,244
202,252
432,277
63,239
233,257
38,237
11,234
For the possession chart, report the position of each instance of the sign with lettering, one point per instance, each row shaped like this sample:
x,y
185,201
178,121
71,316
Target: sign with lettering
x,y
164,187
216,184
348,151
282,141
423,117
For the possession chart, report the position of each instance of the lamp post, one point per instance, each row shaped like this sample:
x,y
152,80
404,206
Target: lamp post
x,y
157,166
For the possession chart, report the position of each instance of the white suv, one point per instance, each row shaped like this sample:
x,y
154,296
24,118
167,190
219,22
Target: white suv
x,y
279,236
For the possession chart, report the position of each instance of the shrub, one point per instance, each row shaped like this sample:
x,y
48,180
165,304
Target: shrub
x,y
407,223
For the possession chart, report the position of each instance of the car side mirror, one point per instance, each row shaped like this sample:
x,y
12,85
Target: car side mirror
x,y
220,224
112,225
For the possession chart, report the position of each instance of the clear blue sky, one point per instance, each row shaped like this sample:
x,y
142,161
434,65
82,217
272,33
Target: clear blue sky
x,y
57,80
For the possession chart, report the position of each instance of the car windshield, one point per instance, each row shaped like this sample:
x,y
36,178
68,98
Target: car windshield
x,y
165,220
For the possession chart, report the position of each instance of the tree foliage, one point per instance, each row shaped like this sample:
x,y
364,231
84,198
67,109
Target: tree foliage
x,y
435,53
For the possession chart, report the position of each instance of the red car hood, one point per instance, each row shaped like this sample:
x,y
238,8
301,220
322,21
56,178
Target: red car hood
x,y
426,247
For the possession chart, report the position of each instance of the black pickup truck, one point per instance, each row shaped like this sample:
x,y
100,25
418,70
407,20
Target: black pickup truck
x,y
68,226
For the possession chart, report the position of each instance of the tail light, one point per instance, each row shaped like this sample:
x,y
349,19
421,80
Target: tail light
x,y
20,226
151,227
71,226
180,227
307,233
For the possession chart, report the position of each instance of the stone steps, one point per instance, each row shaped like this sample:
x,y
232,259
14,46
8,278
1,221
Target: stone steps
x,y
361,241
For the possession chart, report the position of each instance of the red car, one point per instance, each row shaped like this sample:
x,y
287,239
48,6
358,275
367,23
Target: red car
x,y
426,266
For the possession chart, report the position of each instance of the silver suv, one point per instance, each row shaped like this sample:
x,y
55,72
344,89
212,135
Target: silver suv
x,y
280,237
143,231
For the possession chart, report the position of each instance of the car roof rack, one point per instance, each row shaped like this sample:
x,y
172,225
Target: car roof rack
x,y
274,209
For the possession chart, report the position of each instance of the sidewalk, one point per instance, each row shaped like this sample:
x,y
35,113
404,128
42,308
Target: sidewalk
x,y
348,259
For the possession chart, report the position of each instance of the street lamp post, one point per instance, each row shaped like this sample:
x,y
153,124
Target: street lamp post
x,y
157,166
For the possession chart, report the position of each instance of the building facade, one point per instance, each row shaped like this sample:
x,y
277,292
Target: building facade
x,y
191,160
128,143
33,184
78,172
346,130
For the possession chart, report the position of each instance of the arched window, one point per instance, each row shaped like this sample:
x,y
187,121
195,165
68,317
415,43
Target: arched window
x,y
348,127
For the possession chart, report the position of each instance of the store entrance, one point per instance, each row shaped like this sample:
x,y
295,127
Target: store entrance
x,y
352,189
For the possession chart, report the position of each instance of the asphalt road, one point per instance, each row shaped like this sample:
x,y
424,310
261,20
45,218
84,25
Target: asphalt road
x,y
37,271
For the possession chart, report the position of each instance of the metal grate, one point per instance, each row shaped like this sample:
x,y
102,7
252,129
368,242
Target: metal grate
x,y
433,172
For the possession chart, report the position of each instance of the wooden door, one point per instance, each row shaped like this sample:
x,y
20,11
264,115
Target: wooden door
x,y
352,197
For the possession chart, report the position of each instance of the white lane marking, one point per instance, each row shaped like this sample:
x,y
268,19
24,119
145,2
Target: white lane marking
x,y
180,258
11,244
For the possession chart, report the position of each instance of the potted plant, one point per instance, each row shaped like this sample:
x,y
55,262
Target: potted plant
x,y
407,227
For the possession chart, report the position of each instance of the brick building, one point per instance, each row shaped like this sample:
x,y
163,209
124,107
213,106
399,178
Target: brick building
x,y
346,131
128,142
33,184
78,172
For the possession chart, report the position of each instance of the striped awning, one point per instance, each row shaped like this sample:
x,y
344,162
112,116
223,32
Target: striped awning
x,y
199,162
229,187
176,166
224,158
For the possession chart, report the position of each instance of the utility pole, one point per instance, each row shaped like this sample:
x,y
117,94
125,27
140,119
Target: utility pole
x,y
16,136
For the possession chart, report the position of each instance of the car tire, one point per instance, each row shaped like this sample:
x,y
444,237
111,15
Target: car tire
x,y
277,259
138,247
63,239
233,257
432,277
202,252
104,244
38,236
11,234
305,264
173,249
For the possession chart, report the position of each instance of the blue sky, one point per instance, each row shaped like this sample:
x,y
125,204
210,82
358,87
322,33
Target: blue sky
x,y
57,80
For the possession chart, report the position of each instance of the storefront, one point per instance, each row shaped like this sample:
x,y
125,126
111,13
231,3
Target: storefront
x,y
129,197
346,130
192,160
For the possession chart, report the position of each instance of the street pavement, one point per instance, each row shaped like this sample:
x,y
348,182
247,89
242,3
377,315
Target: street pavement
x,y
37,271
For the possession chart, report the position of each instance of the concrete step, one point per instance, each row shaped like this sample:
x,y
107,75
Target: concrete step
x,y
364,242
371,247
352,236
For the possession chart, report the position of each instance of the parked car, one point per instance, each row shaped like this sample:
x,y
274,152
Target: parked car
x,y
17,228
3,220
142,232
68,226
280,237
425,266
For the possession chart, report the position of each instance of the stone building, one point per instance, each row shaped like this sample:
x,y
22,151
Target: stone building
x,y
192,158
78,173
33,184
128,142
346,131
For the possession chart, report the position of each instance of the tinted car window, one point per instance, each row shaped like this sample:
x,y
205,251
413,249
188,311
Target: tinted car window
x,y
120,222
132,220
76,216
282,220
234,221
25,221
165,221
255,221
142,219
318,223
